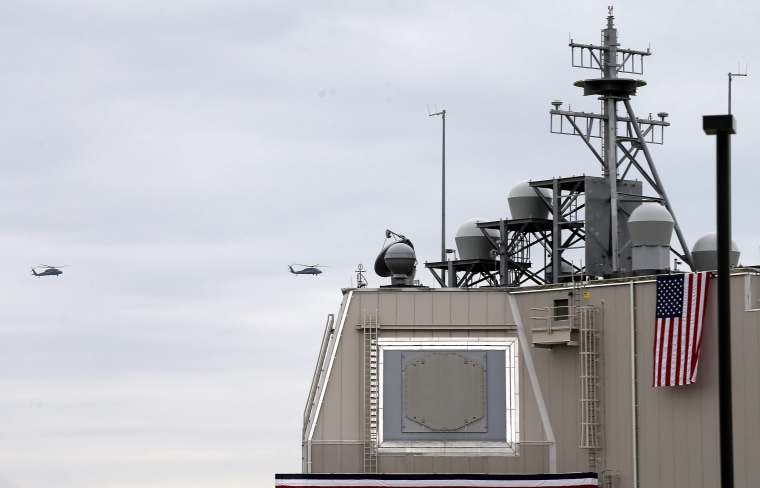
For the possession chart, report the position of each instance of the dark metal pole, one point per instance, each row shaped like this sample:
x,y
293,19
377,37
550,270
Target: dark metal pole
x,y
723,126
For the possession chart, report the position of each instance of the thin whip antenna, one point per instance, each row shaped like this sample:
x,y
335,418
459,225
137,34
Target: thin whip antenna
x,y
730,79
442,113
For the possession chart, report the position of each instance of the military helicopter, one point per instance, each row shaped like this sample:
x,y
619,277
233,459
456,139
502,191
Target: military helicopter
x,y
307,269
48,270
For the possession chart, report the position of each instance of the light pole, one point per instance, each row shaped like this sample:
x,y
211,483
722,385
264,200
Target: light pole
x,y
723,126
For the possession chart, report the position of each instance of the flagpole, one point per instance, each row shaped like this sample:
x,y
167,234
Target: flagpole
x,y
723,126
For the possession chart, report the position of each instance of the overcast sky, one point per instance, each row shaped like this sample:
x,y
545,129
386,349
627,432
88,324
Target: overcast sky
x,y
178,155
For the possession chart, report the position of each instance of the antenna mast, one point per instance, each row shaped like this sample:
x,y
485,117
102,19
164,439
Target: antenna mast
x,y
730,78
623,137
442,113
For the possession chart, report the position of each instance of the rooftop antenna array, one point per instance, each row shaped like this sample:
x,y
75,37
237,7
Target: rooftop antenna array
x,y
616,140
552,219
361,281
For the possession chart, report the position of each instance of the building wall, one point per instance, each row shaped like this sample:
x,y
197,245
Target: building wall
x,y
676,428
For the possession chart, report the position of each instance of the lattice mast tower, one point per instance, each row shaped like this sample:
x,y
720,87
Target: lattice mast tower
x,y
617,140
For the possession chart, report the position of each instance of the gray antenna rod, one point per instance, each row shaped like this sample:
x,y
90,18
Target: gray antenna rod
x,y
442,113
730,78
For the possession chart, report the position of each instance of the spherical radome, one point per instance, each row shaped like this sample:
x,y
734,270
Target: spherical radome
x,y
400,258
472,243
524,203
705,252
650,224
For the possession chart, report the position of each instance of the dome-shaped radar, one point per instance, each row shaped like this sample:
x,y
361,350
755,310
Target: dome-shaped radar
x,y
650,224
397,260
705,253
472,243
525,203
400,259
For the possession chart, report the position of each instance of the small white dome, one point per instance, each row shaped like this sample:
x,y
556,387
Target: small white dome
x,y
705,252
524,203
650,224
471,243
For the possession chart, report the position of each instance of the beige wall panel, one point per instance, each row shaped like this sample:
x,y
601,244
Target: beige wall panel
x,y
393,308
441,465
534,459
745,370
352,380
496,464
476,465
566,414
356,309
317,459
476,305
497,309
462,310
364,303
441,308
423,309
407,464
614,323
678,425
458,465
352,458
329,421
329,459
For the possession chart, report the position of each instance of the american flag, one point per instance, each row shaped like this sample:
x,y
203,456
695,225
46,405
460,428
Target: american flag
x,y
681,303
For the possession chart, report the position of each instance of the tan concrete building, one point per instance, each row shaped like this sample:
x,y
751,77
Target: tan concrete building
x,y
563,383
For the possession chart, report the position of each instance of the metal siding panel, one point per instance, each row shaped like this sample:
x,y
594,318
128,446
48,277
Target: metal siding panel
x,y
477,465
423,464
352,383
497,309
352,458
746,391
330,412
367,302
535,459
477,305
317,459
331,459
617,331
441,465
441,308
461,311
459,465
567,444
404,309
423,308
495,465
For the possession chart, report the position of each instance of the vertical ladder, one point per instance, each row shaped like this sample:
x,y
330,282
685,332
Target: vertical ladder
x,y
371,393
589,363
